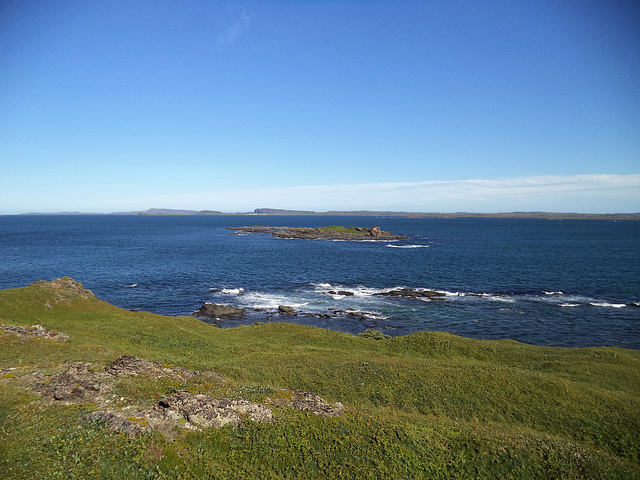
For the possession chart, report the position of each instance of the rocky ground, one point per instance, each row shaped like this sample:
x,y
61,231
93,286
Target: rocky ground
x,y
83,383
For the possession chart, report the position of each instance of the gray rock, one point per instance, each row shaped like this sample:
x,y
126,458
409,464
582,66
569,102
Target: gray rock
x,y
206,411
306,401
76,384
213,310
35,331
286,310
411,293
130,365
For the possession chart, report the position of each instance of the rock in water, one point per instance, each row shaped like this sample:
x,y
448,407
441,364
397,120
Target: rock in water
x,y
213,310
286,310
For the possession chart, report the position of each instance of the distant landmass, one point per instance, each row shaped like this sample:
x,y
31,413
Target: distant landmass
x,y
545,215
373,213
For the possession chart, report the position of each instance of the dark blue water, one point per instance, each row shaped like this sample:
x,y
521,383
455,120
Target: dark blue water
x,y
565,283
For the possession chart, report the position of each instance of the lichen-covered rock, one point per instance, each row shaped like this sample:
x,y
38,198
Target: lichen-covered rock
x,y
132,425
306,401
130,365
75,385
207,411
35,331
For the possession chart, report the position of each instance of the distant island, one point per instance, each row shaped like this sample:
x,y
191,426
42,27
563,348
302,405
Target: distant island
x,y
371,213
335,232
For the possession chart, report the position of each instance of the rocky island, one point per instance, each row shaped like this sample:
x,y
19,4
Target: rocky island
x,y
335,232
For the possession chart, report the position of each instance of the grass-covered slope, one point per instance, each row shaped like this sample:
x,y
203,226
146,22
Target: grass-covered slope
x,y
427,405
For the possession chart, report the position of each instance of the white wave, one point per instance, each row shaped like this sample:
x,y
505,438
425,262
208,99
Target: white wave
x,y
569,304
605,304
451,294
232,291
502,299
133,285
553,293
408,246
270,301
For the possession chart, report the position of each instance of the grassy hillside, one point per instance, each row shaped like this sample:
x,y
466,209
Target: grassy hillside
x,y
426,405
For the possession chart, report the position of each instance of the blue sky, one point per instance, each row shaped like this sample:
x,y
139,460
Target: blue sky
x,y
396,105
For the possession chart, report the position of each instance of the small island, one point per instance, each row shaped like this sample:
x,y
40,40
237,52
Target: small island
x,y
335,232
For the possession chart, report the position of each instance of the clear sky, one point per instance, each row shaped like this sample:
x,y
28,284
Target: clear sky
x,y
452,105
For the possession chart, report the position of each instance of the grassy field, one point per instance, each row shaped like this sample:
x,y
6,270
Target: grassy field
x,y
426,405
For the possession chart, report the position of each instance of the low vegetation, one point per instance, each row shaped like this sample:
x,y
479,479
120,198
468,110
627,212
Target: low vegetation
x,y
338,228
426,405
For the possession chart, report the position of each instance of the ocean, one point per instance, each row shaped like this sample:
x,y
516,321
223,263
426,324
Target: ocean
x,y
569,283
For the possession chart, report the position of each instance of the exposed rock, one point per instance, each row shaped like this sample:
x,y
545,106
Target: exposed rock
x,y
213,310
173,413
64,289
75,385
344,293
354,233
286,310
306,401
132,425
411,293
35,331
130,365
206,411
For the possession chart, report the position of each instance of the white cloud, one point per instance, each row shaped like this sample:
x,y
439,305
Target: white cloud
x,y
240,25
573,193
557,193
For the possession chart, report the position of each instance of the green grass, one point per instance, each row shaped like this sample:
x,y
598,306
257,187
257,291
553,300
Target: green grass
x,y
426,405
338,229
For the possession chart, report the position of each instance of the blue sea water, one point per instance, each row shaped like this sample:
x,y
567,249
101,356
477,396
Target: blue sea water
x,y
571,283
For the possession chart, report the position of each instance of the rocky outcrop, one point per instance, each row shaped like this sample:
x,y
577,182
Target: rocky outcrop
x,y
206,411
327,233
75,385
180,411
306,401
213,310
286,310
65,289
412,293
130,365
342,293
35,331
